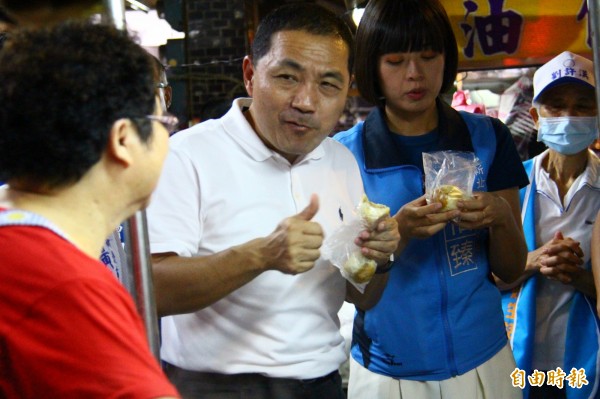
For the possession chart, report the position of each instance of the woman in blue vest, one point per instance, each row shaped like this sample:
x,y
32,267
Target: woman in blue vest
x,y
595,254
551,314
438,330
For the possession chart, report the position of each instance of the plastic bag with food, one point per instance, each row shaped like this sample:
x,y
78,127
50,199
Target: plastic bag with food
x,y
339,247
449,177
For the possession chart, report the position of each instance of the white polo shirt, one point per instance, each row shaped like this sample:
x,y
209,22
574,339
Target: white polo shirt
x,y
221,186
574,218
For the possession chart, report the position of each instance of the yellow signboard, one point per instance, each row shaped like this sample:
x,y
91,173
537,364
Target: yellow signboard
x,y
516,33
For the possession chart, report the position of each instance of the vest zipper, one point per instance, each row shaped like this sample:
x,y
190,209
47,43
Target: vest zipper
x,y
451,359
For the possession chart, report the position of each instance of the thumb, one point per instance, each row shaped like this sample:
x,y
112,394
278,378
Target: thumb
x,y
558,235
311,209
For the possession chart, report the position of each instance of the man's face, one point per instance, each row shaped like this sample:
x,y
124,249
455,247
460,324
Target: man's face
x,y
299,90
570,99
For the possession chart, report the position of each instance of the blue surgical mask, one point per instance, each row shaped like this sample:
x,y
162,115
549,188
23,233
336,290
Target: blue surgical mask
x,y
568,135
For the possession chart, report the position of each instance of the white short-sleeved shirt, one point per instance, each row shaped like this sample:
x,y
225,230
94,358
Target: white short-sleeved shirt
x,y
574,218
221,186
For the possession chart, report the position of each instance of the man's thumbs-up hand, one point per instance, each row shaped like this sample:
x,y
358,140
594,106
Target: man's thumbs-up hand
x,y
294,245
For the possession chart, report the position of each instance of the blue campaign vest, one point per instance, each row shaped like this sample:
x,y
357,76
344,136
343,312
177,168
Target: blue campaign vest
x,y
583,333
440,313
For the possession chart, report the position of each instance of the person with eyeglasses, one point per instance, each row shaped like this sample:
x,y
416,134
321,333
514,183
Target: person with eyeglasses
x,y
82,144
169,121
165,91
239,217
113,251
550,310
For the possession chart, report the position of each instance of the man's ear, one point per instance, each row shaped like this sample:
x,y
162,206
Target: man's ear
x,y
534,115
120,140
248,72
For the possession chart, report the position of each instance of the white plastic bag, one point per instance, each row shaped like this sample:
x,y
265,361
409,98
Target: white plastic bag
x,y
449,176
339,247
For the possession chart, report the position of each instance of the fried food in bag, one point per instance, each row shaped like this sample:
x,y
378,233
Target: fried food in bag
x,y
340,250
449,177
448,196
372,213
359,268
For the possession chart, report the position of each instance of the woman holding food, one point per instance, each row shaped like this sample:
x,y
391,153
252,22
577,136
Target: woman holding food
x,y
438,329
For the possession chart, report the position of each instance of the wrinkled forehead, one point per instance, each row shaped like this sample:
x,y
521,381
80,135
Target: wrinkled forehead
x,y
303,50
329,45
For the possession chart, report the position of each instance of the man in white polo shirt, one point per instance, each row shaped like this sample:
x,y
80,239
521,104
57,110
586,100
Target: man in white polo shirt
x,y
239,216
551,316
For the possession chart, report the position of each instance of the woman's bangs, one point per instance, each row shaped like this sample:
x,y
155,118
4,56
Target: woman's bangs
x,y
411,36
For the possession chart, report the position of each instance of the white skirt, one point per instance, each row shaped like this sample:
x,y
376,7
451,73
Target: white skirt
x,y
491,380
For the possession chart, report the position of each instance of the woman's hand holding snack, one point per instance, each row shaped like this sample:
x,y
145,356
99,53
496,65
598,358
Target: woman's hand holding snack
x,y
482,211
417,219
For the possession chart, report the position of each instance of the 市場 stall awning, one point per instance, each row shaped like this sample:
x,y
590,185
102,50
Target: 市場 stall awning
x,y
517,33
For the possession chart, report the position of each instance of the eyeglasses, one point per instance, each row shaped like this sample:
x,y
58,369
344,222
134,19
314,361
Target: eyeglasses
x,y
169,121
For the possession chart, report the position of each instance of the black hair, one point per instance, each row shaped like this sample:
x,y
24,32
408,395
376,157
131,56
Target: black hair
x,y
4,17
389,26
306,17
61,90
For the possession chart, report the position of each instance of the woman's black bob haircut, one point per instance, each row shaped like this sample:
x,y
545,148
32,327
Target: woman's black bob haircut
x,y
390,26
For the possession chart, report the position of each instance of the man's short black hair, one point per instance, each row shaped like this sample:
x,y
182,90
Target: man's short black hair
x,y
306,17
61,90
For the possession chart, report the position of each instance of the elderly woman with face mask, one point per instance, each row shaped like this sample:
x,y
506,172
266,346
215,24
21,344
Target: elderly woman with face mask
x,y
550,314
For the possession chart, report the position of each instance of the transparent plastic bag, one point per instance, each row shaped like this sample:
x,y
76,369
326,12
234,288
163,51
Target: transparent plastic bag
x,y
449,177
339,247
